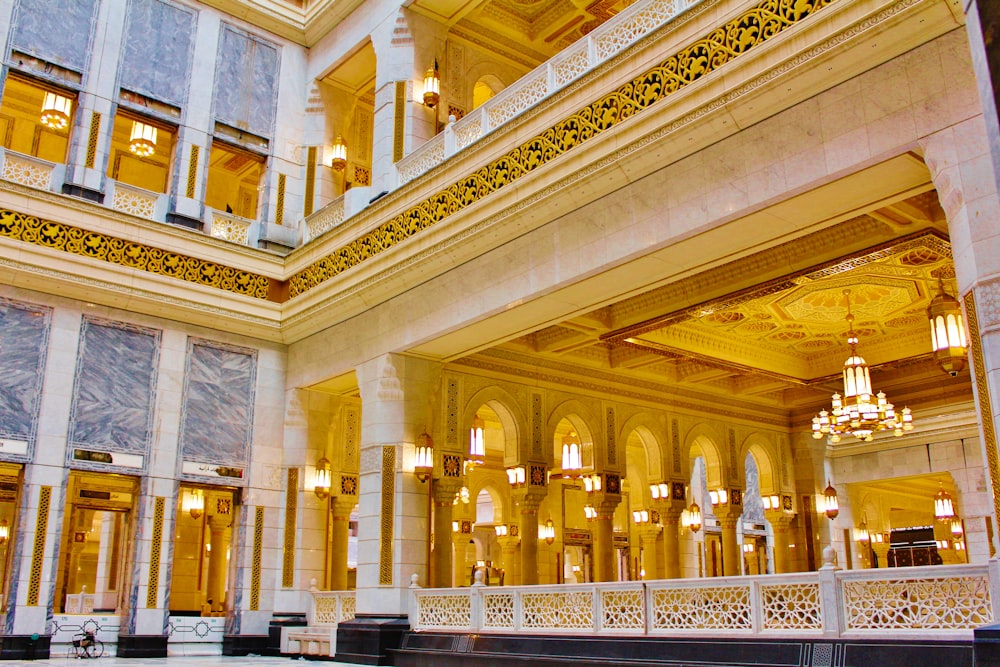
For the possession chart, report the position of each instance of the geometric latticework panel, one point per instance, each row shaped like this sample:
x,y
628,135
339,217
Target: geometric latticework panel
x,y
557,610
498,610
957,603
332,607
623,610
444,611
347,608
791,606
718,608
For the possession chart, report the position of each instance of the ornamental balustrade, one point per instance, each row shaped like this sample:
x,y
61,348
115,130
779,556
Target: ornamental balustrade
x,y
231,228
587,53
27,170
328,608
326,218
945,602
136,201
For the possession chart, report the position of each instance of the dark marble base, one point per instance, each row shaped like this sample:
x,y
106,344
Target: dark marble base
x,y
987,646
82,192
244,644
142,646
279,621
432,649
24,647
368,639
185,221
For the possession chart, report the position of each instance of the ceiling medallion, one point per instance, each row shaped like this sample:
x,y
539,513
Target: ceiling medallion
x,y
855,413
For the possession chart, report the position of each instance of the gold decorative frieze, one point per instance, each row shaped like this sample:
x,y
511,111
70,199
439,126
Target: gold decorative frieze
x,y
984,399
386,533
706,55
154,553
291,510
38,551
77,241
258,544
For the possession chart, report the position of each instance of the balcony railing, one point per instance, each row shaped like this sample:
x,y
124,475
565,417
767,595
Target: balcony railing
x,y
584,55
945,602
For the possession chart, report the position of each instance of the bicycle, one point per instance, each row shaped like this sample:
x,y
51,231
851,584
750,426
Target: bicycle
x,y
87,645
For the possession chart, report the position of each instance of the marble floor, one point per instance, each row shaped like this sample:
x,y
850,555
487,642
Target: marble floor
x,y
187,661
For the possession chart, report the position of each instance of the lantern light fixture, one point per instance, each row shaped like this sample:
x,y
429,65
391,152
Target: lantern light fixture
x,y
432,86
547,532
592,483
692,517
142,140
944,506
590,512
957,530
857,412
517,476
719,497
948,338
423,463
771,502
56,109
4,531
338,158
830,502
501,530
194,503
640,517
322,478
861,534
477,442
659,491
571,461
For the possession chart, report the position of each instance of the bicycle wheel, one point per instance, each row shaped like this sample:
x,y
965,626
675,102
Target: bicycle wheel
x,y
95,649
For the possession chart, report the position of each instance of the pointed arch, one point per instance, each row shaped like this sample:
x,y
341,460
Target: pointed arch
x,y
765,455
512,421
497,489
583,420
703,440
652,433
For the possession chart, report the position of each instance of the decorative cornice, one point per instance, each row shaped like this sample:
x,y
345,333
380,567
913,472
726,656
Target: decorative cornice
x,y
706,55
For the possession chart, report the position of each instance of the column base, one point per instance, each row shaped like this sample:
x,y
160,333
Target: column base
x,y
25,647
142,646
278,621
368,639
244,644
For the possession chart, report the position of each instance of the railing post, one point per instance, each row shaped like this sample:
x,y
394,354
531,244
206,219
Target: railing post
x,y
756,606
311,608
993,570
413,614
449,137
476,601
597,608
829,594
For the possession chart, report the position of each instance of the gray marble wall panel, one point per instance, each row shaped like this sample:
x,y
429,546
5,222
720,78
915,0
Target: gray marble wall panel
x,y
52,30
114,389
156,57
246,82
217,419
24,334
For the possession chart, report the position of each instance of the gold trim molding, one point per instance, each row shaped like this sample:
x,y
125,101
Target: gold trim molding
x,y
154,553
291,511
706,55
95,245
388,497
258,546
983,399
38,551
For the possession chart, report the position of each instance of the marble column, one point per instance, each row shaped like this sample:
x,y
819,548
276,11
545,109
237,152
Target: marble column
x,y
650,539
340,515
218,525
604,547
780,522
527,504
511,558
732,553
462,571
671,518
444,496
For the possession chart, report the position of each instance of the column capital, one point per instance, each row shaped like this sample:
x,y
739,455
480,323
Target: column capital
x,y
529,499
649,534
342,506
508,542
445,490
779,519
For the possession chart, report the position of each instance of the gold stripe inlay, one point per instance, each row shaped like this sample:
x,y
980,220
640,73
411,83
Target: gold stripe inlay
x,y
258,545
279,213
77,241
307,209
154,553
95,133
291,510
386,533
192,172
758,24
399,121
38,552
983,398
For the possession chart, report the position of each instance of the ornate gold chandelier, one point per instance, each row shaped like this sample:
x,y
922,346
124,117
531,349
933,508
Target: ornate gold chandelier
x,y
858,413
